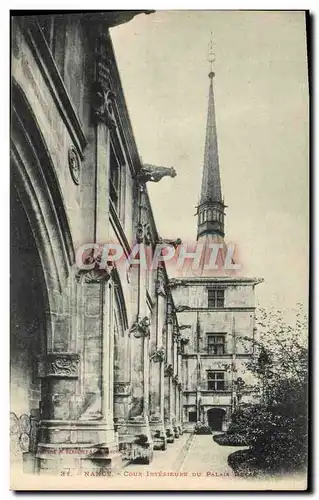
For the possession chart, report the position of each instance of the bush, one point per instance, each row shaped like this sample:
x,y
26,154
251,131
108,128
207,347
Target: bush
x,y
201,428
231,439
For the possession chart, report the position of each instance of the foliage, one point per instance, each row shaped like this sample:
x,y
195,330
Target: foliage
x,y
201,428
276,428
229,439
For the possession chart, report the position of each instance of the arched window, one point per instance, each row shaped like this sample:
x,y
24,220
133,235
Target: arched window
x,y
214,214
209,214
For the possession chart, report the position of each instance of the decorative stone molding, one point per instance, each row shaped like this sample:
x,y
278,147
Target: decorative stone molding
x,y
60,365
158,355
169,370
74,164
154,173
141,327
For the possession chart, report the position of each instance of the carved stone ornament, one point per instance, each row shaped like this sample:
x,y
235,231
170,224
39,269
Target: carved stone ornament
x,y
64,365
74,164
184,327
182,308
122,388
159,355
169,370
160,288
143,233
97,273
179,386
175,379
173,243
102,102
154,173
141,328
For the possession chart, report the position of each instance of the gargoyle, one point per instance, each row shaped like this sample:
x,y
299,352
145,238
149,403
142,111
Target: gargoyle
x,y
141,328
155,174
158,355
173,243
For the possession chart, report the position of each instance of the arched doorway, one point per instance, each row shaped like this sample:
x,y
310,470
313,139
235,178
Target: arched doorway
x,y
28,303
216,418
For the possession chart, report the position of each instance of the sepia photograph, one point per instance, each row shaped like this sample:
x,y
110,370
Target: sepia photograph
x,y
159,250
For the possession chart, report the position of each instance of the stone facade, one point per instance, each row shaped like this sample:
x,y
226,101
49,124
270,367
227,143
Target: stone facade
x,y
95,360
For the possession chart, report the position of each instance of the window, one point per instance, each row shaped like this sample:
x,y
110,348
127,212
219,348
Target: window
x,y
192,416
215,381
115,181
215,344
216,297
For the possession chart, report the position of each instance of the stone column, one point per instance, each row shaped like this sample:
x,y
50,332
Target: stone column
x,y
139,446
168,374
175,382
157,359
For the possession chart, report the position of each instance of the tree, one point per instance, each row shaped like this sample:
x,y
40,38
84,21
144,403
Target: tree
x,y
276,427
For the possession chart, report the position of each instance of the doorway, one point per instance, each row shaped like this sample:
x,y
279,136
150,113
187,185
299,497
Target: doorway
x,y
216,417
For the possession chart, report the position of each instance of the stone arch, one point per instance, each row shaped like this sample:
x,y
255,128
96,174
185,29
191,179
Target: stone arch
x,y
33,176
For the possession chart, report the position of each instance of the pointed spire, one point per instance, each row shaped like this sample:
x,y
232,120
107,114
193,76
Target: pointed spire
x,y
211,190
211,205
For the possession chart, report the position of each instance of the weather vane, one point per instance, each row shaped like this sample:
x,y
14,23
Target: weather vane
x,y
211,56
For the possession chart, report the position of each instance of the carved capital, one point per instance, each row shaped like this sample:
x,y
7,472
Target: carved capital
x,y
141,328
122,388
60,365
154,173
159,355
169,370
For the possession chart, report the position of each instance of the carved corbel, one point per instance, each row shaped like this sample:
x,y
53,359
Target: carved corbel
x,y
154,173
169,370
102,102
175,379
158,355
141,328
97,273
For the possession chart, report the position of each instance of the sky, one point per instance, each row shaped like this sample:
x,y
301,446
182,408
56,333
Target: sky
x,y
261,103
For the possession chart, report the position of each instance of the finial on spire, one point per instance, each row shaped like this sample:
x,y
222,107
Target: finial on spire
x,y
211,56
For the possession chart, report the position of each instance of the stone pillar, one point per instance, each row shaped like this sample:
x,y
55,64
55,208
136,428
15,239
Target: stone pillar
x,y
168,374
175,382
157,359
139,447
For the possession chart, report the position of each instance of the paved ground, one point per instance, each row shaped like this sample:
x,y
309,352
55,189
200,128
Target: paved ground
x,y
192,454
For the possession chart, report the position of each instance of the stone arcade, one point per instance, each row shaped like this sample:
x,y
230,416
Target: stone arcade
x,y
102,372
